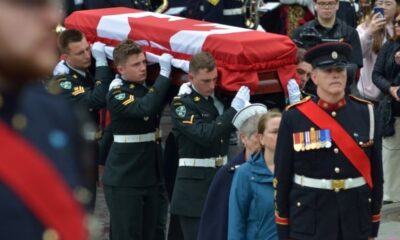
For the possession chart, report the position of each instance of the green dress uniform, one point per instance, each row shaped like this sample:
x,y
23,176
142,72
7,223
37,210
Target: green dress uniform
x,y
132,172
202,136
87,93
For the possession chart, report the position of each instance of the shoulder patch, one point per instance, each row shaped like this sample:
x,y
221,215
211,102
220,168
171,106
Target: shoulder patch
x,y
181,111
295,104
66,84
120,96
358,99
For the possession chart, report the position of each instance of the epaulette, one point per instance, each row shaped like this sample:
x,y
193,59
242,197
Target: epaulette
x,y
300,102
362,100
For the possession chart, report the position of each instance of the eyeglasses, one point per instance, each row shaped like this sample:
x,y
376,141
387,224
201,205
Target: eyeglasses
x,y
396,22
326,4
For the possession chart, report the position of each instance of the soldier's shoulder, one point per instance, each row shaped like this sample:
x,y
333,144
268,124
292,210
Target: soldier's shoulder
x,y
360,100
182,100
304,100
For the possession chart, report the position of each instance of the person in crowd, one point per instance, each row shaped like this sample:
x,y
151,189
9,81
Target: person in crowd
x,y
44,153
328,162
386,77
374,32
202,127
225,12
78,85
251,199
132,172
327,27
214,218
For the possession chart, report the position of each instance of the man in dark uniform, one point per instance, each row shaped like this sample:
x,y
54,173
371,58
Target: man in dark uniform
x,y
230,12
77,83
327,27
328,161
132,173
202,126
41,148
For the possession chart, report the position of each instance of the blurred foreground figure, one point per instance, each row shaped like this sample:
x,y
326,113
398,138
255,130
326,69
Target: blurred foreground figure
x,y
41,141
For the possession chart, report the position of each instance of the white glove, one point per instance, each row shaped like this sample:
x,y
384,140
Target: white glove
x,y
60,69
99,54
185,89
241,99
293,91
116,82
165,64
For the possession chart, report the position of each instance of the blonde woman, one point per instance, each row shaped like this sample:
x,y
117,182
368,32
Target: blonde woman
x,y
374,32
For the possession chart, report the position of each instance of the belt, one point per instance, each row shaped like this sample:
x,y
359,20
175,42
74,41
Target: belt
x,y
233,11
137,138
203,162
329,184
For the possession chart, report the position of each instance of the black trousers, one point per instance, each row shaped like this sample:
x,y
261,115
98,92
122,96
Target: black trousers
x,y
133,212
190,227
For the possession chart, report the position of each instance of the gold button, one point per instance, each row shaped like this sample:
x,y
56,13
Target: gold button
x,y
18,121
337,170
336,150
369,200
222,140
50,234
298,204
333,114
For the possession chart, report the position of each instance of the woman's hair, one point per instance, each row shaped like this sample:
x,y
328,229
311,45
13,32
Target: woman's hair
x,y
249,126
264,119
395,37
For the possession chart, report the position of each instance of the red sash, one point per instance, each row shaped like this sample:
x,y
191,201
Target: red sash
x,y
32,177
342,139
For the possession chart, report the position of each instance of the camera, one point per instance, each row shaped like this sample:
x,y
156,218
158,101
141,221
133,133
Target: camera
x,y
380,11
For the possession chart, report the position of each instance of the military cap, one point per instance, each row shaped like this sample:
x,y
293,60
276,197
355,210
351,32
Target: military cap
x,y
247,112
332,54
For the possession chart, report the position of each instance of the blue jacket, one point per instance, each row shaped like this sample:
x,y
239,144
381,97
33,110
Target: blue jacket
x,y
251,202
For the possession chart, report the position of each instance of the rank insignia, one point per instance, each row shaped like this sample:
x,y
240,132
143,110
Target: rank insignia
x,y
146,118
131,86
66,85
120,96
75,76
130,99
151,90
98,83
181,111
78,90
196,99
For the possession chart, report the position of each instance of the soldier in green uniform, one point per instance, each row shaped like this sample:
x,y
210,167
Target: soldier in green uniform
x,y
78,85
132,172
202,126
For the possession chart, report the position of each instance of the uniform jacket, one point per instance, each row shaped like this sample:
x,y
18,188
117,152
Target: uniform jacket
x,y
51,127
251,202
200,132
135,109
317,214
86,91
214,219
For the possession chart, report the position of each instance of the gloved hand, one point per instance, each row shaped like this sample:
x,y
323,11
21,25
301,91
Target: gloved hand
x,y
241,99
293,91
60,69
165,64
185,89
99,54
116,82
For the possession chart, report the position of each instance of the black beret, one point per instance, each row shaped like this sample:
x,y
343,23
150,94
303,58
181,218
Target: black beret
x,y
331,54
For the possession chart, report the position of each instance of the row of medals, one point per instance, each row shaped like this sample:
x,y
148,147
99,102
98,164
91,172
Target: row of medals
x,y
313,139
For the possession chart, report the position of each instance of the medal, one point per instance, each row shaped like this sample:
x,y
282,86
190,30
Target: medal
x,y
307,140
296,142
312,138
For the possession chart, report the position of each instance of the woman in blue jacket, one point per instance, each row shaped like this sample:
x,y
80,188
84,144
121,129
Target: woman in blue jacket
x,y
251,200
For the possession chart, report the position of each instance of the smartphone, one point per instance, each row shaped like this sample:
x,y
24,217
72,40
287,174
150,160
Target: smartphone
x,y
380,11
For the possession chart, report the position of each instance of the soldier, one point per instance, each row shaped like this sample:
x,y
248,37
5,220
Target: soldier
x,y
78,85
132,173
328,162
202,126
41,142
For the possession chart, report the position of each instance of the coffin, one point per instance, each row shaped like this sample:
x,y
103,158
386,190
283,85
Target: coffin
x,y
262,61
